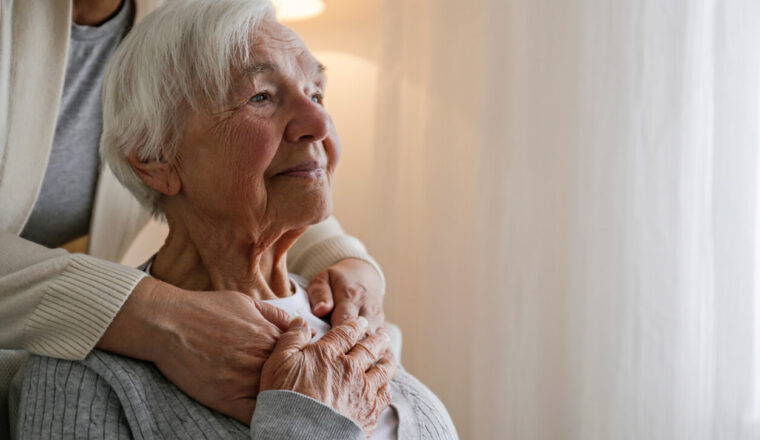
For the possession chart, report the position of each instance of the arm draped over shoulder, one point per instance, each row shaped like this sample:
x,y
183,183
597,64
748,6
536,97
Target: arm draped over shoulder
x,y
59,304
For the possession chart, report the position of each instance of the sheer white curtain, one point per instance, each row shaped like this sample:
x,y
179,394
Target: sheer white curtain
x,y
566,205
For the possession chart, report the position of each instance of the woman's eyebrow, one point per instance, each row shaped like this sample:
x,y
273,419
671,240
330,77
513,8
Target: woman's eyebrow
x,y
253,69
320,73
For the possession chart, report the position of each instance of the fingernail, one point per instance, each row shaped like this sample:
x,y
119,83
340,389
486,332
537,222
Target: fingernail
x,y
297,322
363,322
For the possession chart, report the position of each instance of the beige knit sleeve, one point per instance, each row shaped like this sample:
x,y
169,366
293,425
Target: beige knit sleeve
x,y
55,303
323,245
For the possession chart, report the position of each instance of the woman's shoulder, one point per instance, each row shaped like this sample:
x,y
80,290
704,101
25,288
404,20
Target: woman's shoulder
x,y
421,413
71,381
60,397
42,372
115,395
98,370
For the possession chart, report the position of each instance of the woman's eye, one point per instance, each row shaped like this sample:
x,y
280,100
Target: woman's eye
x,y
260,97
317,97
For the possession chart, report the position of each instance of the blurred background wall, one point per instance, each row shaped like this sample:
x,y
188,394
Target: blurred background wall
x,y
564,198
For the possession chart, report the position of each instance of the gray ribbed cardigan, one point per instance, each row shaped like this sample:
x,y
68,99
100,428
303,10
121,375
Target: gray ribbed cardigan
x,y
110,396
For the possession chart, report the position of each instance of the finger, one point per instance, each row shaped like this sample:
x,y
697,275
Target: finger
x,y
294,339
374,314
348,298
320,294
342,338
344,311
274,314
384,396
367,351
383,371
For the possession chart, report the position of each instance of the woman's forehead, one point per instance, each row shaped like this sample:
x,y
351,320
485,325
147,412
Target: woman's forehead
x,y
273,34
309,66
278,49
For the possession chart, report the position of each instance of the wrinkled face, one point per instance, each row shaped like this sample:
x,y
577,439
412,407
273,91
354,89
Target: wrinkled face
x,y
265,162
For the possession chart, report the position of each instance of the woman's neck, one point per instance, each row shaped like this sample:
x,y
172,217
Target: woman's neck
x,y
196,257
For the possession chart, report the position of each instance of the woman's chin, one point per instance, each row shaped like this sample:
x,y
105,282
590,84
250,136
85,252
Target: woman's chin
x,y
307,211
322,213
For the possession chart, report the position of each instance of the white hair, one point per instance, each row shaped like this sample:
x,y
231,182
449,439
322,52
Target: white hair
x,y
180,57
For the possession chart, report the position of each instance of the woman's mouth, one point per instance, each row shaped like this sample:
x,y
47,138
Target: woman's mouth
x,y
311,170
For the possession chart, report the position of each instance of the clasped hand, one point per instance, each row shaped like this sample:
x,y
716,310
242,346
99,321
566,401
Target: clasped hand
x,y
340,370
213,345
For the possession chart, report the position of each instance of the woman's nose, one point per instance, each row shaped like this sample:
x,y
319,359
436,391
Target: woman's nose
x,y
310,122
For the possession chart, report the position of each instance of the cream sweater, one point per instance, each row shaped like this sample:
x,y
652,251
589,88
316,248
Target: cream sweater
x,y
51,302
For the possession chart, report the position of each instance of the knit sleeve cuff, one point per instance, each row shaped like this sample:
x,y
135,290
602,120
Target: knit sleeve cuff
x,y
284,414
78,306
324,253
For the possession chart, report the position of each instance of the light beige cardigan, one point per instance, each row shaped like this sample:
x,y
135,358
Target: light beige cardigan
x,y
52,302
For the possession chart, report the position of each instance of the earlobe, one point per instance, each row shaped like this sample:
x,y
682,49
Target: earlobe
x,y
159,175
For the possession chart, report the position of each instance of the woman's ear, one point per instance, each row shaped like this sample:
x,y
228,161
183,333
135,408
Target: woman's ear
x,y
159,175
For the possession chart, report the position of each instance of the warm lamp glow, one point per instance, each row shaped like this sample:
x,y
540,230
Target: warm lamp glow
x,y
294,10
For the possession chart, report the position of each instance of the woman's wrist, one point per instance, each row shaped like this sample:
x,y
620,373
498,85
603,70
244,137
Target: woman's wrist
x,y
140,328
209,344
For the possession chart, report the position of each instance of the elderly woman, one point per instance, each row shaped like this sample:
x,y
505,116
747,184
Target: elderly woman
x,y
213,117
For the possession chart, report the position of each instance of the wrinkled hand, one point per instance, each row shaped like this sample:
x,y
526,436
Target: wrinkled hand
x,y
212,345
349,288
351,376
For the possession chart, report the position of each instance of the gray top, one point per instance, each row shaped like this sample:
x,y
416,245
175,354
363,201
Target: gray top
x,y
109,396
63,208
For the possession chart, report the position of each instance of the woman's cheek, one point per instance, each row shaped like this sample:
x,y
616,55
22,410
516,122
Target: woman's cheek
x,y
332,151
253,146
